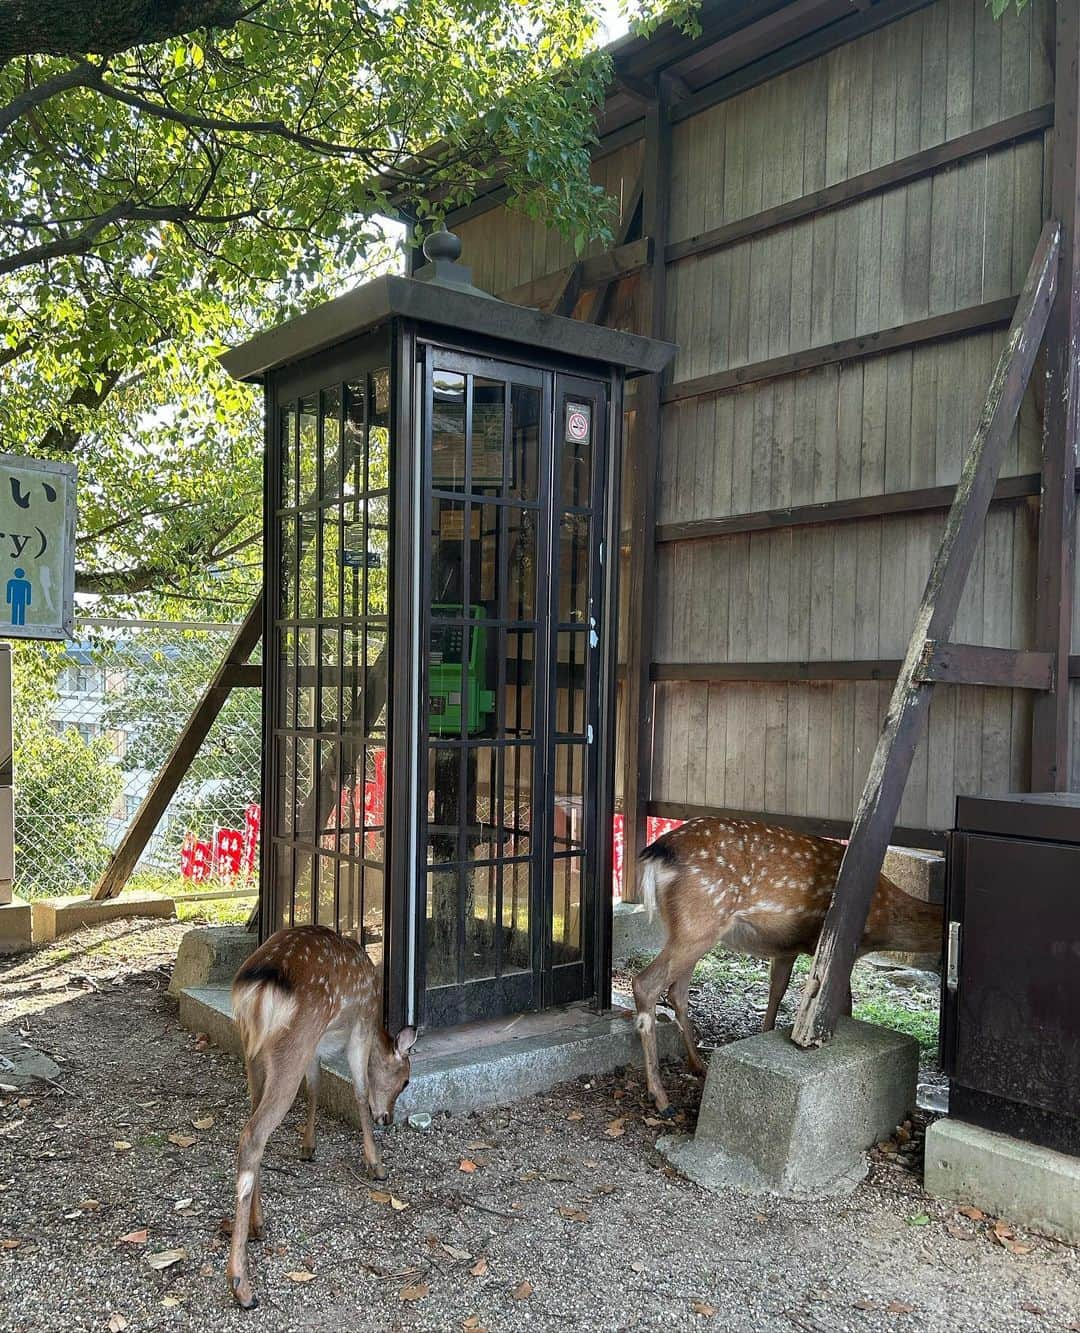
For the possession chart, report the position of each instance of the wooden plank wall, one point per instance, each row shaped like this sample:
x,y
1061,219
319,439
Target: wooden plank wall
x,y
958,238
847,591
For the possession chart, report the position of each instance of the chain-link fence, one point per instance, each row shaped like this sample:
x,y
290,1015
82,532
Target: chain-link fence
x,y
95,720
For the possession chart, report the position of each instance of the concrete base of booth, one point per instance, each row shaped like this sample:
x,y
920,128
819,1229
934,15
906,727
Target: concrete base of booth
x,y
1025,1184
16,926
779,1120
476,1065
59,916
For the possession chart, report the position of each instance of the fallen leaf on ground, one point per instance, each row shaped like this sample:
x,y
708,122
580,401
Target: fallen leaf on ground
x,y
379,1196
117,1323
576,1115
455,1253
10,1244
480,1268
638,1266
300,1275
89,1205
166,1258
183,1140
958,1233
121,1145
467,1166
416,1293
590,1164
479,1145
761,1217
1032,1308
919,1220
170,1302
181,1204
473,1322
1015,1247
135,1237
863,1304
654,1121
522,1291
615,1128
976,1214
206,1122
398,1205
899,1307
703,1308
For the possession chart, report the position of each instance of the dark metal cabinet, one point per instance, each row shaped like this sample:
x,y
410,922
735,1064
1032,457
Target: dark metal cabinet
x,y
1010,1037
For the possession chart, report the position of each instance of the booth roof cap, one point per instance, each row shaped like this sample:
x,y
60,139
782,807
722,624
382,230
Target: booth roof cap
x,y
447,305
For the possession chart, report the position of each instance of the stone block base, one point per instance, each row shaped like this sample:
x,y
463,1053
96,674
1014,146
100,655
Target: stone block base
x,y
633,935
16,926
776,1119
59,916
1027,1185
210,956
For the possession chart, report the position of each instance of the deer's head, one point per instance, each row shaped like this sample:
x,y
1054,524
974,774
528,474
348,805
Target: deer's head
x,y
388,1074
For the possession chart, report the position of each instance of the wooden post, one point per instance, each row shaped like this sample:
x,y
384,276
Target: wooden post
x,y
154,804
830,975
1056,558
643,456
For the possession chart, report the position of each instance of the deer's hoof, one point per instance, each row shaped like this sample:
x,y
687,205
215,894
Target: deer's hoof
x,y
257,1231
378,1171
243,1294
666,1112
307,1154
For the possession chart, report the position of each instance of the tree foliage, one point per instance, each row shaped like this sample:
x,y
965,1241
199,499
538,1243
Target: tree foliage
x,y
173,186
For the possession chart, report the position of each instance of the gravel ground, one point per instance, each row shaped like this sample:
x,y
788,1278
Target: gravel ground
x,y
569,1219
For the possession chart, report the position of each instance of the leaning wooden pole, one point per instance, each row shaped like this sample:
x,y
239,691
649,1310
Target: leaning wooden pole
x,y
154,804
826,988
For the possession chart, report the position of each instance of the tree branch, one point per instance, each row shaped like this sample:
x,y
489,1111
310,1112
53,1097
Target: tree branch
x,y
75,77
75,27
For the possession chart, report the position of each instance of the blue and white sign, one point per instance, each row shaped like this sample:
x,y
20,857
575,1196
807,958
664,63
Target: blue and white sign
x,y
37,548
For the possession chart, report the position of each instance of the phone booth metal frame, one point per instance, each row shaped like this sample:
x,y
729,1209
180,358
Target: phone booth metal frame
x,y
442,496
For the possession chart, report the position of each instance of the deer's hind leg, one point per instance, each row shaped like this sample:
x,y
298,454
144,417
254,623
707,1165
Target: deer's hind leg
x,y
679,995
256,1073
312,1078
283,1068
677,959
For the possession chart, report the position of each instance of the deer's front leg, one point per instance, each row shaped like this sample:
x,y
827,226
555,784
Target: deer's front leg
x,y
357,1055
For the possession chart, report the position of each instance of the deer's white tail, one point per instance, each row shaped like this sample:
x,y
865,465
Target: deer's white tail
x,y
261,1009
657,871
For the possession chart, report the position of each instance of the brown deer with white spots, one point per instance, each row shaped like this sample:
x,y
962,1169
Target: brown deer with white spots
x,y
305,993
755,889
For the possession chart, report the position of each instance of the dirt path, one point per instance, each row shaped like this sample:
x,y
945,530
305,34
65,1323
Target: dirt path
x,y
569,1220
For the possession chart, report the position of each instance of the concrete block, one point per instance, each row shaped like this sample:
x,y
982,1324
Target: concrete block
x,y
6,892
633,934
59,916
210,956
920,873
776,1119
16,926
1025,1184
464,1076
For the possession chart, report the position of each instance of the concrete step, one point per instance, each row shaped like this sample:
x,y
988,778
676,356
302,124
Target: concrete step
x,y
479,1064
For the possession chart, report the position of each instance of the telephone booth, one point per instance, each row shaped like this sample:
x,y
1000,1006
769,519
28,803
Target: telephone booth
x,y
441,521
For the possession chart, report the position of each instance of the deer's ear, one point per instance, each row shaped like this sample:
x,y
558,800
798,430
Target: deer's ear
x,y
406,1040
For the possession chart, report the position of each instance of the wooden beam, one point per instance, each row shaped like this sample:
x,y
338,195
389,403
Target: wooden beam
x,y
778,672
901,172
970,319
972,664
568,297
242,676
595,311
164,787
642,469
955,663
830,974
891,504
620,262
1056,552
932,839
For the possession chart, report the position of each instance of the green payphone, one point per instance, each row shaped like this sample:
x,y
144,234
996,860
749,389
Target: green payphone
x,y
447,650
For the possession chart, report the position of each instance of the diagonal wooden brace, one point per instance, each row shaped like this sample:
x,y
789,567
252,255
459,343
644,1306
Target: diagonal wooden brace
x,y
826,988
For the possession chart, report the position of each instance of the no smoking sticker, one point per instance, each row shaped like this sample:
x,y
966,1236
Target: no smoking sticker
x,y
578,422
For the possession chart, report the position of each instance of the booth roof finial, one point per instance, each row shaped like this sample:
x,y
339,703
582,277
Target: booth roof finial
x,y
442,244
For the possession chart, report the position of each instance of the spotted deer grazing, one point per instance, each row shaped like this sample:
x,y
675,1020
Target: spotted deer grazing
x,y
305,993
755,889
